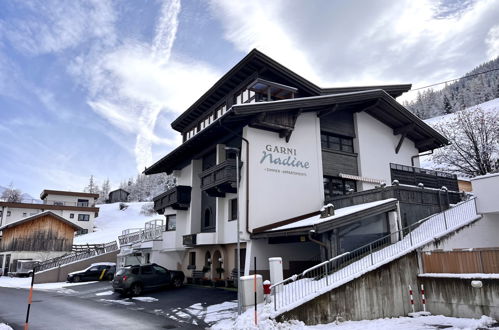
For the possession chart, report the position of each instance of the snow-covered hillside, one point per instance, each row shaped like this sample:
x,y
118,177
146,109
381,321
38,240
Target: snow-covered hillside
x,y
491,106
112,221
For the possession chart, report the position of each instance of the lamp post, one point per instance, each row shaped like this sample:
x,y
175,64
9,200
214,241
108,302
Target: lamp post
x,y
238,248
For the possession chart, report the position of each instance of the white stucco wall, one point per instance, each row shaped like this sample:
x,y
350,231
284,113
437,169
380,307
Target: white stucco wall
x,y
482,233
375,144
275,193
486,188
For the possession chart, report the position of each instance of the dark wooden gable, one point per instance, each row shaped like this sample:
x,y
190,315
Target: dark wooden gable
x,y
280,122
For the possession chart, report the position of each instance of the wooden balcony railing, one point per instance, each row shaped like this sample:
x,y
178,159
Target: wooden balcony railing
x,y
219,179
431,179
178,198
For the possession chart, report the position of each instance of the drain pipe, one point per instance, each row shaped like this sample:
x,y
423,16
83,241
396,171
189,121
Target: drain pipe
x,y
247,171
418,155
324,245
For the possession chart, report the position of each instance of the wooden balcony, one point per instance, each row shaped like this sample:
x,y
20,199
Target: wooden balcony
x,y
220,179
431,179
178,198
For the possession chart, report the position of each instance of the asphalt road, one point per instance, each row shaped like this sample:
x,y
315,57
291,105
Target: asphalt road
x,y
80,307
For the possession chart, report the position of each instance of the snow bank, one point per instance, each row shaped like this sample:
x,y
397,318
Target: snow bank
x,y
112,221
25,283
4,326
145,299
247,322
469,276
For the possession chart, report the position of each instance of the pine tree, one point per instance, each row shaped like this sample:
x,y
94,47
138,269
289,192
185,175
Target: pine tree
x,y
447,105
104,192
92,187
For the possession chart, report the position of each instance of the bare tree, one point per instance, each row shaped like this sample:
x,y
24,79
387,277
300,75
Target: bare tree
x,y
12,194
474,148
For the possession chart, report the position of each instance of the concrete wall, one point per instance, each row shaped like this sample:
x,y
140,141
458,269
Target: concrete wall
x,y
482,233
375,144
378,294
456,297
384,293
60,274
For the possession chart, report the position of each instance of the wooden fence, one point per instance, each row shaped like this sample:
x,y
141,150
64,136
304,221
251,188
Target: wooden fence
x,y
460,262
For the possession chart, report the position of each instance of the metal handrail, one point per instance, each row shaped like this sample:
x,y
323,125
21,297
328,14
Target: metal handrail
x,y
349,264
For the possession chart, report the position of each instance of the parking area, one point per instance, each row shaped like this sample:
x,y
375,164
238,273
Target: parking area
x,y
187,307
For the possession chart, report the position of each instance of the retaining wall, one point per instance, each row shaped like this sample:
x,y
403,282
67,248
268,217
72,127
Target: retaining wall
x,y
384,293
60,274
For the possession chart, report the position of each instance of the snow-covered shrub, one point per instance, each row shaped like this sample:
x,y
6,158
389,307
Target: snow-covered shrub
x,y
147,209
123,206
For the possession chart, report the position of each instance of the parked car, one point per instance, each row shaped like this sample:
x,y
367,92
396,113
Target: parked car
x,y
24,268
101,271
133,280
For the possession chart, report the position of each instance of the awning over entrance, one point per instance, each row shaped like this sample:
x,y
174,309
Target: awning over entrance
x,y
342,217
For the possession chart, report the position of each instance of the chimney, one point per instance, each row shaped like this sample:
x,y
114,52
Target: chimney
x,y
327,210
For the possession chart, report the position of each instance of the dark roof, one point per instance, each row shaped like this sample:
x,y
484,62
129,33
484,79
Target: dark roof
x,y
67,193
251,63
393,90
116,190
375,102
39,215
323,226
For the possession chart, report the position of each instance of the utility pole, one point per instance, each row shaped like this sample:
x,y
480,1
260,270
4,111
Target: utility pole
x,y
238,248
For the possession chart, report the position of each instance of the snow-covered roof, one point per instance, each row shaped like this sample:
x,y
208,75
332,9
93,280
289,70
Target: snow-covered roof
x,y
39,215
339,213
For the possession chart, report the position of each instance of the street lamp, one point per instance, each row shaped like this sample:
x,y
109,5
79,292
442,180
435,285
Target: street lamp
x,y
238,249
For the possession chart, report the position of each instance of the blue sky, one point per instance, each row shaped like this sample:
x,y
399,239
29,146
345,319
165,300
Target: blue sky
x,y
91,87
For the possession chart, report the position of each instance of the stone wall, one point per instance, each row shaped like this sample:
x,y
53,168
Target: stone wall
x,y
60,274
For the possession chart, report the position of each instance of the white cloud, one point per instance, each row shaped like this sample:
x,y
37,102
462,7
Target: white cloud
x,y
492,42
132,84
64,24
365,42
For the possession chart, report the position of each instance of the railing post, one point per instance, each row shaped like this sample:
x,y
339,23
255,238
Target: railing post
x,y
410,235
275,299
325,272
371,253
445,221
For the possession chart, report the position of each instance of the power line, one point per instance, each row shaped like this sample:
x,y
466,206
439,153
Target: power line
x,y
447,81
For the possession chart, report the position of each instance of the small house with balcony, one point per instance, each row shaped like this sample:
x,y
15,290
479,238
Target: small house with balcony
x,y
271,148
76,207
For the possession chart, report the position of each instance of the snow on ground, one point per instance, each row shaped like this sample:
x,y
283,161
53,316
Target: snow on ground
x,y
247,322
112,221
4,326
126,302
25,283
105,293
145,299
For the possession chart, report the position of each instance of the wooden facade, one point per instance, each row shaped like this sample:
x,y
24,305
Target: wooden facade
x,y
43,232
462,262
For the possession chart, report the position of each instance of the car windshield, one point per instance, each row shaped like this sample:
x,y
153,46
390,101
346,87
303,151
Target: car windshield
x,y
121,272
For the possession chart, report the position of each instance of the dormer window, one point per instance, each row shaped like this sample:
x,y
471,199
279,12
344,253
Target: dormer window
x,y
271,91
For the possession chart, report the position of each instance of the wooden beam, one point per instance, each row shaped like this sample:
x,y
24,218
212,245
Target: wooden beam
x,y
403,129
399,145
326,112
424,143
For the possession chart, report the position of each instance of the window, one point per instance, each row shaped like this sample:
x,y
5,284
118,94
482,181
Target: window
x,y
82,203
83,217
25,214
59,203
336,143
192,258
160,270
171,222
8,213
337,187
147,270
1,214
82,232
71,215
233,209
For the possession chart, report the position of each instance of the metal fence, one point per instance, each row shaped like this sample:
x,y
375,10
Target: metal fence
x,y
76,256
342,268
138,235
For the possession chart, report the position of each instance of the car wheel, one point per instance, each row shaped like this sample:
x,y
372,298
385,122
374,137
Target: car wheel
x,y
136,289
76,279
177,282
